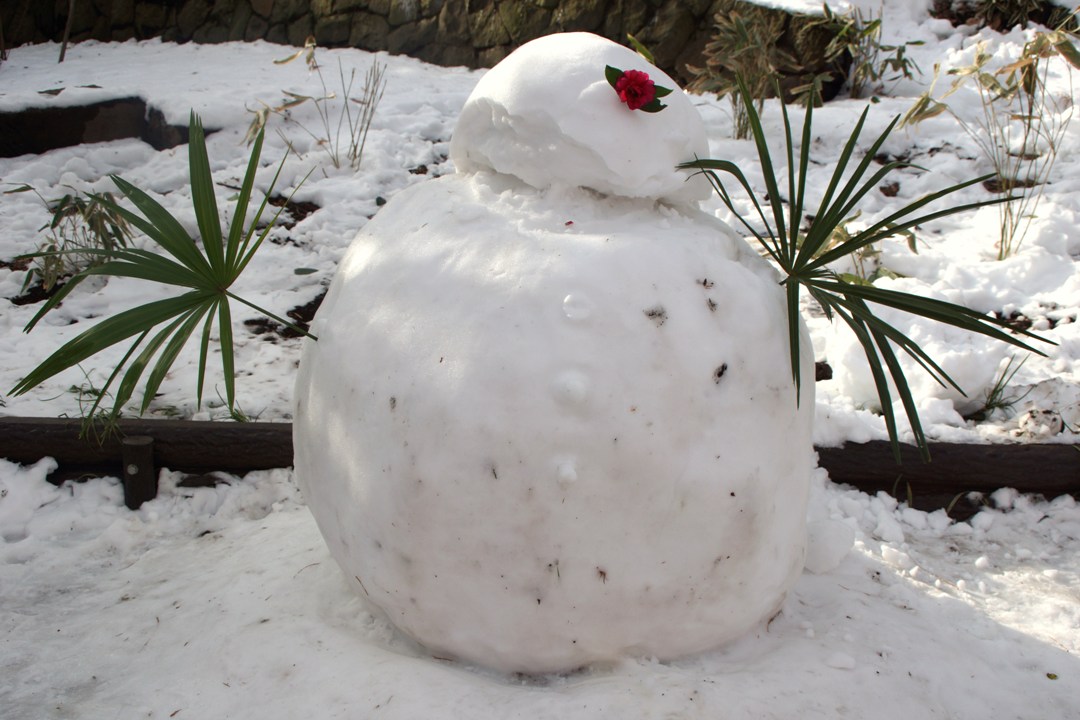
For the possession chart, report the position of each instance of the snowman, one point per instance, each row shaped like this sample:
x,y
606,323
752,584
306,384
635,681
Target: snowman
x,y
549,420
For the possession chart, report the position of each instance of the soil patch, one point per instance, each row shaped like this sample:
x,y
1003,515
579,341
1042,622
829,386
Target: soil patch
x,y
998,186
35,294
301,315
292,211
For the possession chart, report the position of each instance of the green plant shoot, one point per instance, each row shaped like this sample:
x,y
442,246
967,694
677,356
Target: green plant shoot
x,y
206,274
803,256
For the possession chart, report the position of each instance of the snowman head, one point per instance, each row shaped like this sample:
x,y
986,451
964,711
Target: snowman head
x,y
549,115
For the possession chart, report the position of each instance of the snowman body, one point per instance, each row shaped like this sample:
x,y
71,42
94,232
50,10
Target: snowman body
x,y
547,424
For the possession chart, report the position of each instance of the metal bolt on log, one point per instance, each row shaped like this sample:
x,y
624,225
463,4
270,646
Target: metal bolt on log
x,y
140,475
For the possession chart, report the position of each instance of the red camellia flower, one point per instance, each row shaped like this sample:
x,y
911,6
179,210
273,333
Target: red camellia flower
x,y
635,89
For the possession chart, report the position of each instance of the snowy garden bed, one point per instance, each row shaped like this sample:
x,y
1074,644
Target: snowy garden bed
x,y
868,629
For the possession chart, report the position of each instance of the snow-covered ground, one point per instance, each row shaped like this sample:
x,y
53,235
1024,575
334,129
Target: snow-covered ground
x,y
224,602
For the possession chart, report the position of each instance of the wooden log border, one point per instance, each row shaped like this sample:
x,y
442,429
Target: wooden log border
x,y
958,478
38,130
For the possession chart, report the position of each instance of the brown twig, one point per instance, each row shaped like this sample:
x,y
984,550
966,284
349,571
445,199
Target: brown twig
x,y
67,30
3,46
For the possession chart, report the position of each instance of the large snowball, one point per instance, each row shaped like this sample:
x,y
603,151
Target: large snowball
x,y
545,428
547,115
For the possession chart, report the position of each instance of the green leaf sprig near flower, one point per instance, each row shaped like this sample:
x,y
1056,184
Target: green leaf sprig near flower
x,y
804,255
636,89
206,274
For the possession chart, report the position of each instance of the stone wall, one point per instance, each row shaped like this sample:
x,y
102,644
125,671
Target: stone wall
x,y
474,33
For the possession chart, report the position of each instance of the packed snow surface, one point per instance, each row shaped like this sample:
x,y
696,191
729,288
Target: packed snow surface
x,y
547,115
223,602
532,427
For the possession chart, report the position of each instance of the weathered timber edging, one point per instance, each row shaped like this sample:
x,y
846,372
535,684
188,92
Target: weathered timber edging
x,y
955,470
40,129
144,446
199,448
